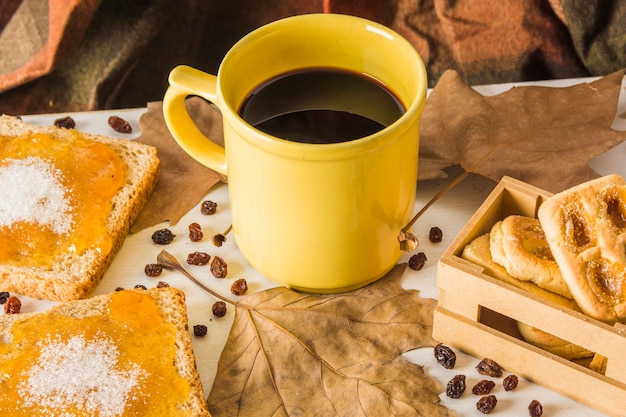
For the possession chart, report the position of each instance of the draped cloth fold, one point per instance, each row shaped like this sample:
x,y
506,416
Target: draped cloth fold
x,y
80,55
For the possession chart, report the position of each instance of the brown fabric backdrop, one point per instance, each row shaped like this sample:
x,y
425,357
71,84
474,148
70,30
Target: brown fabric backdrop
x,y
77,55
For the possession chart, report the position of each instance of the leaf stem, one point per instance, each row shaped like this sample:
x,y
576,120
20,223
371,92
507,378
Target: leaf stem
x,y
167,260
220,238
432,201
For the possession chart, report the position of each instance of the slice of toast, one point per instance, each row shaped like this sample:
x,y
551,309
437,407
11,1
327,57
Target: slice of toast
x,y
71,273
119,354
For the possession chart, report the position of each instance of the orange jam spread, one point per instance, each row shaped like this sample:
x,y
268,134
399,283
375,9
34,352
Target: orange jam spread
x,y
120,363
57,197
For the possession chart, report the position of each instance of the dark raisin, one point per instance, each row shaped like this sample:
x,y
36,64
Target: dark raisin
x,y
198,258
118,289
140,287
200,330
486,404
4,296
239,287
208,207
510,382
489,367
67,122
535,409
456,386
163,237
13,305
153,270
195,232
417,261
219,309
120,125
162,284
435,235
483,387
445,356
219,268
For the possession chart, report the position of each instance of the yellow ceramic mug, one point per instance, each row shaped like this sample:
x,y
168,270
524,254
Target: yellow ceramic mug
x,y
313,217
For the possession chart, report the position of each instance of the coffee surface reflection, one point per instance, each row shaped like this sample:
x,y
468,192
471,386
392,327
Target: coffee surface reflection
x,y
321,106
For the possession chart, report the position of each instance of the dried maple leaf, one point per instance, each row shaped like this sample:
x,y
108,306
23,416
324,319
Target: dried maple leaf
x,y
291,354
545,136
183,182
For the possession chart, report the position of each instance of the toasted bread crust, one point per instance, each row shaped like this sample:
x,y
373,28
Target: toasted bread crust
x,y
172,307
75,276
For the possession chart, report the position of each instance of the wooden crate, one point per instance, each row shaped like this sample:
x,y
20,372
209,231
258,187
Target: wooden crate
x,y
477,314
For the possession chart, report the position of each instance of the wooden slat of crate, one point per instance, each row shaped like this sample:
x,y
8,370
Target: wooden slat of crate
x,y
464,292
550,371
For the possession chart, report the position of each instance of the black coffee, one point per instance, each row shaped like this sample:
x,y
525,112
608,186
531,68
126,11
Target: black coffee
x,y
321,106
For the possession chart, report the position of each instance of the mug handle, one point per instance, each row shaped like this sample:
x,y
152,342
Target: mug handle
x,y
183,82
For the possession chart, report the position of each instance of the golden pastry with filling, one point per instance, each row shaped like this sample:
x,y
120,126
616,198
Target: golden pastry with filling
x,y
479,252
585,227
519,244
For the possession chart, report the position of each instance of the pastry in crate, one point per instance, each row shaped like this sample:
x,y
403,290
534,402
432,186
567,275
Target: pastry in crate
x,y
574,255
586,229
516,252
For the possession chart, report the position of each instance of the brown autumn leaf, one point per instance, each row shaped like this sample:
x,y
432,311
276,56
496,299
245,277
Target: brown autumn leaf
x,y
545,136
291,354
183,182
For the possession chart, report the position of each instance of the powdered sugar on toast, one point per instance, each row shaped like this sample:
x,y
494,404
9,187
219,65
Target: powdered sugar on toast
x,y
83,374
31,191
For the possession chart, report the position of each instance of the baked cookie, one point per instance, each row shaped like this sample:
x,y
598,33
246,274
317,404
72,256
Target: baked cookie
x,y
518,243
586,230
479,253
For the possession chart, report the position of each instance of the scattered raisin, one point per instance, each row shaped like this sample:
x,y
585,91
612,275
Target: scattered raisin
x,y
162,284
195,232
13,305
200,330
67,122
163,237
486,404
219,268
198,258
535,409
120,125
118,289
445,356
208,207
219,309
489,367
483,387
435,235
140,287
510,382
4,296
153,270
456,386
417,261
239,287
